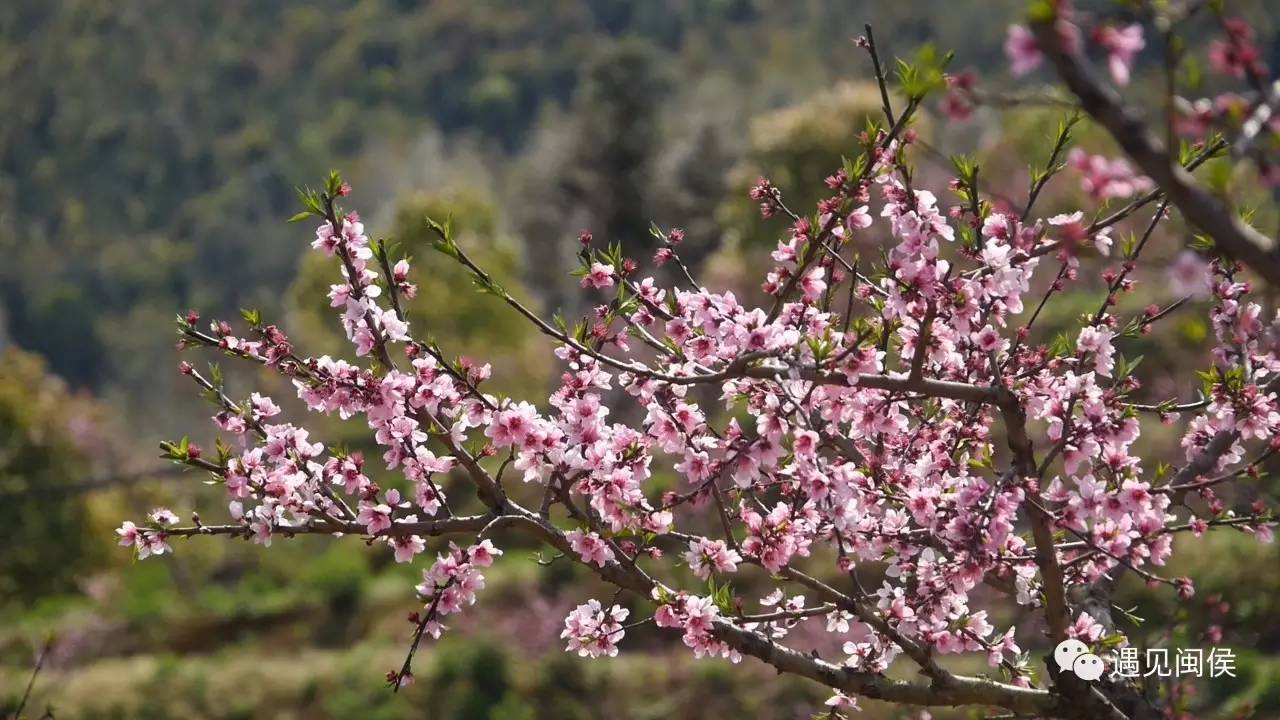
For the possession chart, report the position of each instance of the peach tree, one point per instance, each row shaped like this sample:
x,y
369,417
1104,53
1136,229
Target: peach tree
x,y
880,444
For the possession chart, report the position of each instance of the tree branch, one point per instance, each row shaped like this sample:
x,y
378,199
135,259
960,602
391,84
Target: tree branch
x,y
1126,125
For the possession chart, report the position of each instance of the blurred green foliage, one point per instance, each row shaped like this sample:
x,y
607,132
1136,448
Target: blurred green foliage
x,y
794,148
150,148
49,537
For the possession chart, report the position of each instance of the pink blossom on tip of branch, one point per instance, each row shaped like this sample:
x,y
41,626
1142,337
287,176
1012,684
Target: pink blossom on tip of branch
x,y
599,276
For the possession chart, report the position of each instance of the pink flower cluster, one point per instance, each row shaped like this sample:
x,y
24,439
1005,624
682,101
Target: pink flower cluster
x,y
593,631
822,432
450,584
1107,179
148,541
711,556
696,616
362,318
1121,45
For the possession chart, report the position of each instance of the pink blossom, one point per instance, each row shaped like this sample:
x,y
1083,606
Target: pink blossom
x,y
155,544
1086,628
1097,340
406,547
163,516
988,340
483,553
400,271
1075,230
708,556
1189,275
1022,50
364,340
599,276
590,547
812,284
858,219
839,702
1236,54
375,517
128,533
1122,46
1004,648
513,425
263,407
592,631
396,329
1105,178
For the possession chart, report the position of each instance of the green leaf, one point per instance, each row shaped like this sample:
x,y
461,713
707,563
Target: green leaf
x,y
333,183
443,231
1192,72
1061,345
1125,367
1041,11
1203,243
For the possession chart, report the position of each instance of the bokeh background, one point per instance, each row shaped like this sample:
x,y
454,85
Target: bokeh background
x,y
149,151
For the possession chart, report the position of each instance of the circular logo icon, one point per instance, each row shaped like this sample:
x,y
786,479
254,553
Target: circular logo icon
x,y
1074,657
1067,652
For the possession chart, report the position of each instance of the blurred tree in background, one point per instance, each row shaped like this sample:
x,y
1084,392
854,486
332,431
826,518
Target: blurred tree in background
x,y
794,147
602,177
150,145
46,435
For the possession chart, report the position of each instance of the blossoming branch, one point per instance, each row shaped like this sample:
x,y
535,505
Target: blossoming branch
x,y
879,442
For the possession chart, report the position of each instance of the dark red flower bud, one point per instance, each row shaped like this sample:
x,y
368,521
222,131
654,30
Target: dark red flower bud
x,y
761,190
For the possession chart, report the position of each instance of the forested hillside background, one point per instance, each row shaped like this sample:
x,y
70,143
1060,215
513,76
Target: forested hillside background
x,y
149,152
